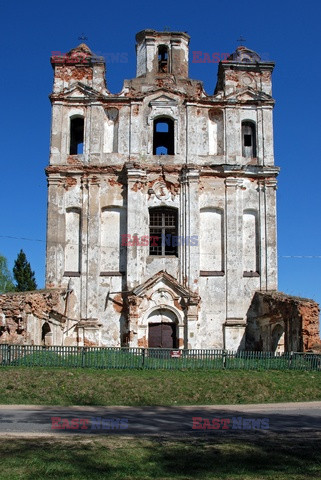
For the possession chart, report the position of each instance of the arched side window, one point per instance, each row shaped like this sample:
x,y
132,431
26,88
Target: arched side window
x,y
163,231
73,241
113,227
250,243
215,132
211,241
163,136
163,59
248,139
278,339
44,332
111,126
76,136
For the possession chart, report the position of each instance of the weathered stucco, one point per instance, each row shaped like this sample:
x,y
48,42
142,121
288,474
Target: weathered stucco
x,y
220,179
224,196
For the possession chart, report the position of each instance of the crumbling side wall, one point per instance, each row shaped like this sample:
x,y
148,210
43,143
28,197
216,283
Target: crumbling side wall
x,y
298,317
31,317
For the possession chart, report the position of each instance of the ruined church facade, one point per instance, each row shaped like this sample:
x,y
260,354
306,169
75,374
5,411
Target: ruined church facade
x,y
162,198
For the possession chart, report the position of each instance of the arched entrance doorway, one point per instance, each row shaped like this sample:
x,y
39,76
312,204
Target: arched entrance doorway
x,y
162,329
278,339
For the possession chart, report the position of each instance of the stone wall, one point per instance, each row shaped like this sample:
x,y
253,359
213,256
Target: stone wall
x,y
280,322
32,318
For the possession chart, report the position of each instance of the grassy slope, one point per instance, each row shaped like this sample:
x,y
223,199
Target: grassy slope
x,y
60,386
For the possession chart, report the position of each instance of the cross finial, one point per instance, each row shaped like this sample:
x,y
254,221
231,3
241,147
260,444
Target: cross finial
x,y
241,40
83,37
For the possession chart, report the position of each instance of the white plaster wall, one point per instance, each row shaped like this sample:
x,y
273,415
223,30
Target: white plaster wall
x,y
215,205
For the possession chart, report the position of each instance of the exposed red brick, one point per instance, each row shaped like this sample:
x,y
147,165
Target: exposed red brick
x,y
300,317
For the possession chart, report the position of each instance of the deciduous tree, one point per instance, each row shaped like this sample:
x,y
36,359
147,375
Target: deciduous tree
x,y
6,281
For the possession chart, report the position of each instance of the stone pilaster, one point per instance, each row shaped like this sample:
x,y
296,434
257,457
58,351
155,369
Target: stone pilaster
x,y
93,246
271,234
137,216
84,299
189,254
56,232
234,325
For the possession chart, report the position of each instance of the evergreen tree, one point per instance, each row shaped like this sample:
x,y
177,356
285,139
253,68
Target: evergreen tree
x,y
6,281
23,275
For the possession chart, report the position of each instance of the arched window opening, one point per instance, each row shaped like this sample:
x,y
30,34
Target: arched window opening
x,y
248,140
73,241
113,227
211,252
251,241
162,59
163,231
278,339
76,136
44,332
163,140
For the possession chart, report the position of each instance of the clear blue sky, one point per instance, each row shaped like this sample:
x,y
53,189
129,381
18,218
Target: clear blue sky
x,y
287,32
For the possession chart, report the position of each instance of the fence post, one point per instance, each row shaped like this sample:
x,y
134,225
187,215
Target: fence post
x,y
9,355
224,355
83,356
291,359
143,357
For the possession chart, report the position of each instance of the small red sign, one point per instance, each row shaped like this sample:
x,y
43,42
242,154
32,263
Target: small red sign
x,y
176,353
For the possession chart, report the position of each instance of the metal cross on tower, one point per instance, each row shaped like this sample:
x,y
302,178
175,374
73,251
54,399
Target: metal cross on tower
x,y
83,37
241,40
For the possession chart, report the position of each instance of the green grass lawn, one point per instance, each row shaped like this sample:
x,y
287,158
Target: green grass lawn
x,y
266,457
61,386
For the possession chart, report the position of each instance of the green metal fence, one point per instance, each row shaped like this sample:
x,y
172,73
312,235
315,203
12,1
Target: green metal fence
x,y
153,358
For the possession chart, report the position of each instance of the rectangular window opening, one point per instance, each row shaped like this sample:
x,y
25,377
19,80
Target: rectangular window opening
x,y
76,136
163,232
247,140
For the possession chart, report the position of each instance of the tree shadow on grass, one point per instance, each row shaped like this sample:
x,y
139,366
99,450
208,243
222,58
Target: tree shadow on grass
x,y
268,455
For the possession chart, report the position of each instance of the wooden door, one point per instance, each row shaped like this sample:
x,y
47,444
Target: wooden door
x,y
162,335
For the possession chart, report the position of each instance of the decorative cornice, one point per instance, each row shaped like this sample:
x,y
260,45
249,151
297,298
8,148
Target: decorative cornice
x,y
232,182
271,182
225,170
190,174
54,179
134,173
